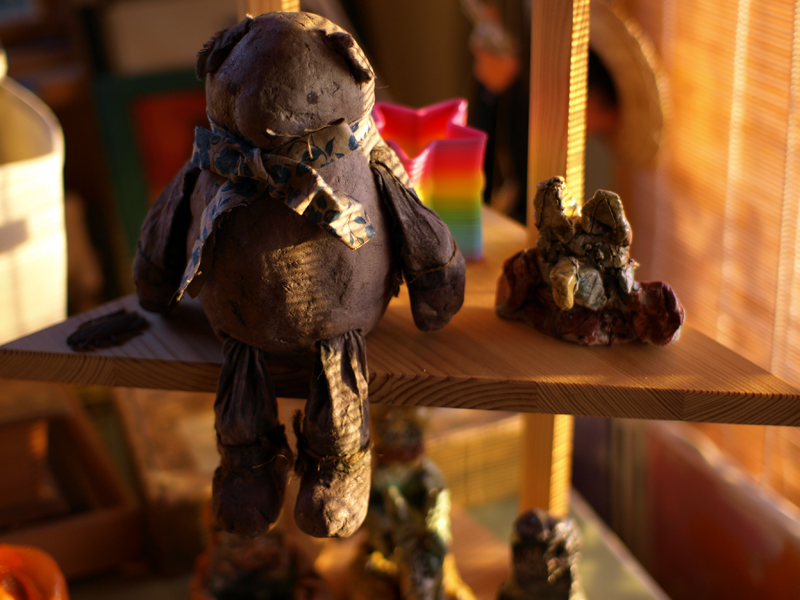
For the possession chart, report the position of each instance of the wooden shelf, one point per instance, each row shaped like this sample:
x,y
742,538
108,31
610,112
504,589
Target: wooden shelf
x,y
477,361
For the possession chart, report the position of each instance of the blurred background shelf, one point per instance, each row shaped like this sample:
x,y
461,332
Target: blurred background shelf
x,y
168,441
80,510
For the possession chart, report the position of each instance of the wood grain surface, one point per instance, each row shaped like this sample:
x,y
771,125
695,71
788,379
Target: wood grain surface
x,y
557,123
259,7
556,146
477,361
546,467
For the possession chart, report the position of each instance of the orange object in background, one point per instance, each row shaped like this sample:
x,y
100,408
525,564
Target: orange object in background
x,y
30,574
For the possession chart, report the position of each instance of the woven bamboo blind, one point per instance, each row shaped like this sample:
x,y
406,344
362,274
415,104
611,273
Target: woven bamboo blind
x,y
726,194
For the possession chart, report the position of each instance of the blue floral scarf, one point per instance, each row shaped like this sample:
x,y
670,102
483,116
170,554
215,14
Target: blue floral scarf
x,y
288,174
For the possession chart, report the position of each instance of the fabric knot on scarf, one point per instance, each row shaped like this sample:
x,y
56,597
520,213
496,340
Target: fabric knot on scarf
x,y
288,174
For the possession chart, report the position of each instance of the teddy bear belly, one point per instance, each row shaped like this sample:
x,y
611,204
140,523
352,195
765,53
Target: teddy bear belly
x,y
288,309
284,290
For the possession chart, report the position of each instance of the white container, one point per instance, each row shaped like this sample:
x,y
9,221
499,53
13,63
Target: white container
x,y
33,251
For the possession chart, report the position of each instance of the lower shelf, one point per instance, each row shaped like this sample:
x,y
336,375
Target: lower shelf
x,y
607,569
173,451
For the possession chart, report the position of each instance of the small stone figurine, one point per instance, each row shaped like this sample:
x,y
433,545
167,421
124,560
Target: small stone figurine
x,y
294,225
406,554
269,566
578,283
544,559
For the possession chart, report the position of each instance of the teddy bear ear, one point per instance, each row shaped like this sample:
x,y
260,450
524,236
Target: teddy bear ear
x,y
217,49
343,43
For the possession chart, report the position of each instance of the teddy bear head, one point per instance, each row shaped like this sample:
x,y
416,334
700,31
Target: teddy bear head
x,y
274,77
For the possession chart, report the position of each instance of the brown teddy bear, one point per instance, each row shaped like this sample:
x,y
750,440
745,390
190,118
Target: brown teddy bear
x,y
294,225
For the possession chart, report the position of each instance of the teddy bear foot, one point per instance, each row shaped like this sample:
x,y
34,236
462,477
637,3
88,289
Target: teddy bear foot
x,y
334,494
249,486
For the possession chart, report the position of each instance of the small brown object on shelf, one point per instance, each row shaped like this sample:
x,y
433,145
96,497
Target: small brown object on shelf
x,y
578,283
112,329
270,566
544,553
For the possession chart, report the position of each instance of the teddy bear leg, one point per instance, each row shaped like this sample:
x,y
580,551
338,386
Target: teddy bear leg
x,y
255,459
333,441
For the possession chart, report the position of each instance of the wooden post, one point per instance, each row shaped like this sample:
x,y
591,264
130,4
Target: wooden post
x,y
546,463
559,65
259,7
556,144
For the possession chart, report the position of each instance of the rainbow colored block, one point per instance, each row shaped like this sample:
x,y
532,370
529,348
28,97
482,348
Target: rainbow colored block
x,y
444,160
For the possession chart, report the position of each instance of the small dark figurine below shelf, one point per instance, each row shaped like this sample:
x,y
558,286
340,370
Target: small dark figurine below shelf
x,y
406,554
266,567
578,283
294,225
544,559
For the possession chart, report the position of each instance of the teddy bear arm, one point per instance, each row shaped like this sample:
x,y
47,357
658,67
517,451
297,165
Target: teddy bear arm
x,y
161,251
432,264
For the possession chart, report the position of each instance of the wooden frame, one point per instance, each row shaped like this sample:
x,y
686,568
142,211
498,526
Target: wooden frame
x,y
114,98
556,146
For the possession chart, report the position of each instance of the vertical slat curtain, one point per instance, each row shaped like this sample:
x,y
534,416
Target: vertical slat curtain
x,y
726,195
